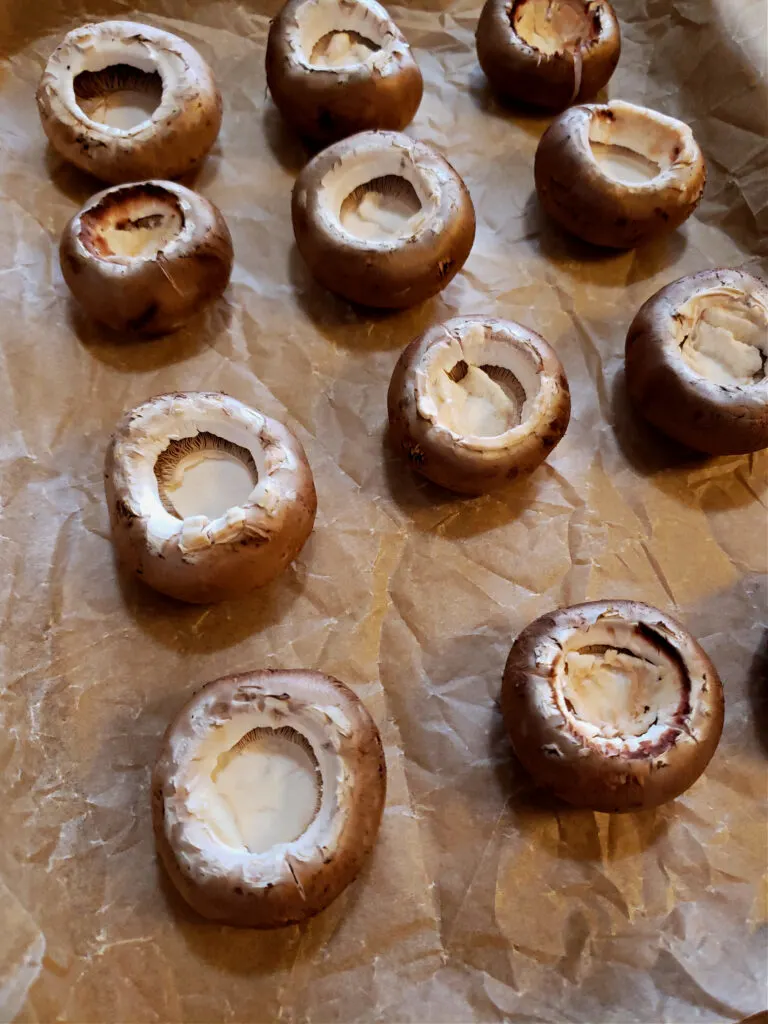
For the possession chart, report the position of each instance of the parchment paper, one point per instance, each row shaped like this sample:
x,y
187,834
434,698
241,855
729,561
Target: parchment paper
x,y
485,901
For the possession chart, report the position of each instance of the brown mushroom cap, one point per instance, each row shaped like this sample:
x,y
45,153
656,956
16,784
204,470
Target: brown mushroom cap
x,y
222,859
195,552
616,174
336,68
111,57
146,257
476,402
382,220
611,704
696,361
548,54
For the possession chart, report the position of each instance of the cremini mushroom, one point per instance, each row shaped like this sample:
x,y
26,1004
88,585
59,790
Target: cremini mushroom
x,y
382,220
337,67
548,53
611,704
616,174
267,796
696,361
146,257
126,101
208,498
475,402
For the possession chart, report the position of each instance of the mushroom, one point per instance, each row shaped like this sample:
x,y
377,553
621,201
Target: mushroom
x,y
126,101
616,174
382,220
475,402
146,257
207,498
337,67
267,796
611,704
548,53
696,361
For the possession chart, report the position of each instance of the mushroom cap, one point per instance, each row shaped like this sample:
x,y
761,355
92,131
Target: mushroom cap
x,y
291,881
325,104
158,290
474,464
582,764
173,141
390,273
717,418
197,559
520,72
597,207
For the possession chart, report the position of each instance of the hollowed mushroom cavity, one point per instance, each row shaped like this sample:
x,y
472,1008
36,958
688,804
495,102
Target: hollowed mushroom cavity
x,y
204,475
267,796
724,337
617,174
612,704
208,499
146,257
551,26
336,68
476,402
382,220
120,95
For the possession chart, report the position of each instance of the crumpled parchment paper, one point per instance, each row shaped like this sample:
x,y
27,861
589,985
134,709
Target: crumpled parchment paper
x,y
485,901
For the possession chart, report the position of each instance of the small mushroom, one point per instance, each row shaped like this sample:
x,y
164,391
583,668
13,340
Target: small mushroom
x,y
337,67
611,704
548,53
126,101
696,361
267,796
476,402
616,174
208,499
382,220
146,257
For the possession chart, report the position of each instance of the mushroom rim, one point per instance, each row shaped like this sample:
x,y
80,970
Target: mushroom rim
x,y
305,30
602,36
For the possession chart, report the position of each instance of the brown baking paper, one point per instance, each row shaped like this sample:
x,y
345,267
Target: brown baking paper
x,y
485,901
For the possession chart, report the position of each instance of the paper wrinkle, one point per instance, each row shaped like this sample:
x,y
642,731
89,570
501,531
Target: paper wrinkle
x,y
485,900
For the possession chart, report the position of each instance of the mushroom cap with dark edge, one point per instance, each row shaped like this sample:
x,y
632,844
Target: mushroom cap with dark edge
x,y
562,752
717,418
520,73
289,882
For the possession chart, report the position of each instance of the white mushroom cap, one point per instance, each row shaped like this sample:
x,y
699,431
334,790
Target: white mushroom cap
x,y
697,360
338,67
235,847
616,174
145,257
612,704
196,557
475,402
174,139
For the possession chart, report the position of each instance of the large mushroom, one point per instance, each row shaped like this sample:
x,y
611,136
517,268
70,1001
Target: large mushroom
x,y
146,257
267,796
382,220
126,101
611,704
208,499
616,174
548,53
476,402
697,361
338,67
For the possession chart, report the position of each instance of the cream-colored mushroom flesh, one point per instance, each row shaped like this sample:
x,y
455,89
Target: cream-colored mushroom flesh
x,y
204,475
631,148
616,685
480,387
340,49
723,336
336,35
120,96
383,208
551,26
133,223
